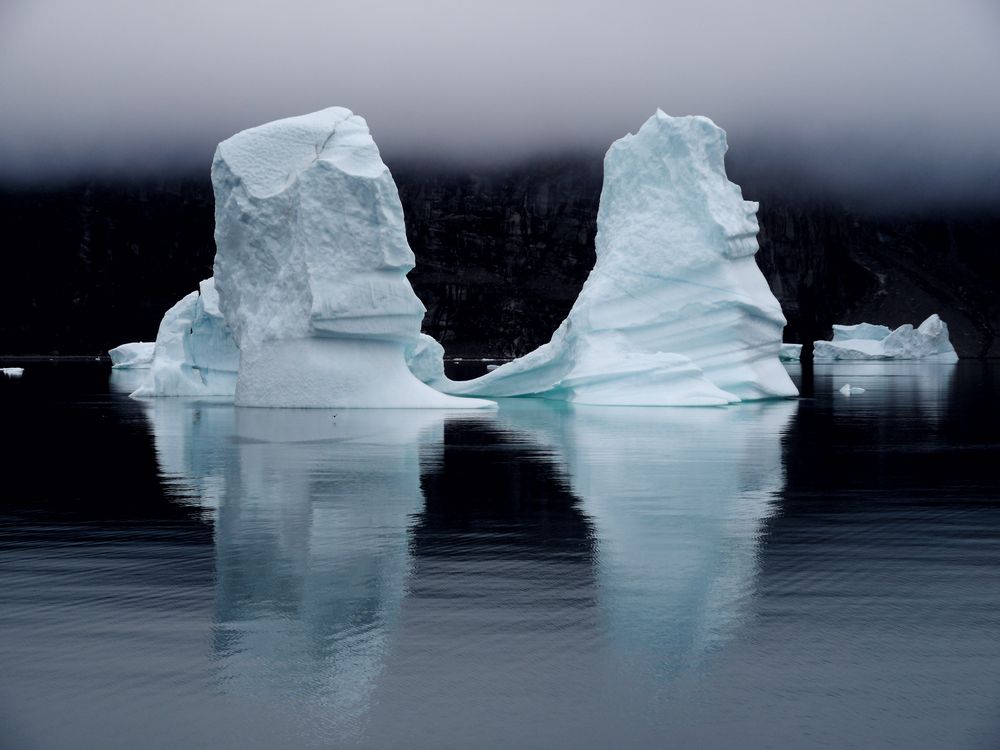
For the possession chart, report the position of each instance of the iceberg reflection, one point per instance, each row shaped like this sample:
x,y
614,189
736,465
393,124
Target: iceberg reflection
x,y
915,387
678,498
311,512
397,572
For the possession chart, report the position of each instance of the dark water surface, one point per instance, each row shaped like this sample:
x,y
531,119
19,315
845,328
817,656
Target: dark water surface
x,y
822,573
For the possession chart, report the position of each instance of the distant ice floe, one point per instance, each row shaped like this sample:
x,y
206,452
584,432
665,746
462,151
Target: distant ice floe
x,y
867,341
850,390
12,372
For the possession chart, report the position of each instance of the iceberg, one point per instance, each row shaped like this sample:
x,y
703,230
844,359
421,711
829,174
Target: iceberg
x,y
311,263
12,372
929,341
194,353
860,332
135,356
790,352
675,310
849,390
425,359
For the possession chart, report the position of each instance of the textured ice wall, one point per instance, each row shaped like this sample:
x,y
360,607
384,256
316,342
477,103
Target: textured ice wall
x,y
194,354
675,311
866,341
311,263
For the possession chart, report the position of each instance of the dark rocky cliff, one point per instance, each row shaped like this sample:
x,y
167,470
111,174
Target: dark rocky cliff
x,y
501,256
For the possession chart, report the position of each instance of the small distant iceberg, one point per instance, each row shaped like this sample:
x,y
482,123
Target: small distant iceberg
x,y
134,356
863,341
194,354
851,390
12,372
790,353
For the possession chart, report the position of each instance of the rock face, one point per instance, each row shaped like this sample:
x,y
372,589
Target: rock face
x,y
194,354
866,341
675,310
311,262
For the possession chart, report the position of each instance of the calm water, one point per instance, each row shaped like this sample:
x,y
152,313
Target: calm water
x,y
808,574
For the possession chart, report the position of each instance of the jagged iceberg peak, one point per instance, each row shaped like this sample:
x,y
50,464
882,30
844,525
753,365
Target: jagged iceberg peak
x,y
309,233
675,310
311,263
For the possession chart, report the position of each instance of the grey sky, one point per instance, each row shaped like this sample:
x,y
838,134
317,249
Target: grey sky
x,y
854,90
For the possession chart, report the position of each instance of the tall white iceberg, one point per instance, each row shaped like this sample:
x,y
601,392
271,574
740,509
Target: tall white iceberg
x,y
928,341
194,354
675,311
311,263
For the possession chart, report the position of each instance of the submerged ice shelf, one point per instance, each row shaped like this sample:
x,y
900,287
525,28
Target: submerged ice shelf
x,y
675,310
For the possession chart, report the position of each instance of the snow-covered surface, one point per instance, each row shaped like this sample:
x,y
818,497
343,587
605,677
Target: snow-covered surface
x,y
194,354
865,341
132,356
848,390
311,263
675,311
12,372
790,352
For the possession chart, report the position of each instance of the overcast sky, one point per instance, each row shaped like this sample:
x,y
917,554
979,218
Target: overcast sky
x,y
865,92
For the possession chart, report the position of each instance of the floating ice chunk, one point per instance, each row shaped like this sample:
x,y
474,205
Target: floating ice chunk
x,y
311,263
138,355
790,352
194,353
849,390
12,372
929,341
675,311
